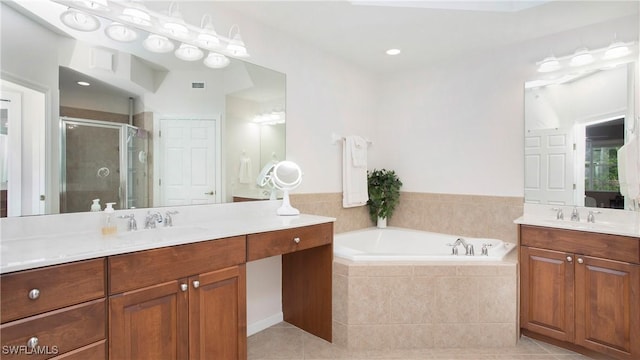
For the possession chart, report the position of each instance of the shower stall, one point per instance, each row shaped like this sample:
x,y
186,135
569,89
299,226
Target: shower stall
x,y
102,160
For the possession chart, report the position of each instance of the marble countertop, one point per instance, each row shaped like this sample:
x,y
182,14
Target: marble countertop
x,y
32,242
607,221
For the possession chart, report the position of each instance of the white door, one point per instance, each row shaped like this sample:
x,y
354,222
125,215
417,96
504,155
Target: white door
x,y
188,162
11,150
549,158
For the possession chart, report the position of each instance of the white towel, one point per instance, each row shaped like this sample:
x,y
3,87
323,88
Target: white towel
x,y
244,175
354,172
629,169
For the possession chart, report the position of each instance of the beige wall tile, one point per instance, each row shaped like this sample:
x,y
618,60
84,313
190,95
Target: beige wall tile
x,y
497,299
412,300
474,335
465,215
369,300
340,298
456,300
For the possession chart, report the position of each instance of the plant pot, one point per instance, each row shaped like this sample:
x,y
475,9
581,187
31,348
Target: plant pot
x,y
382,222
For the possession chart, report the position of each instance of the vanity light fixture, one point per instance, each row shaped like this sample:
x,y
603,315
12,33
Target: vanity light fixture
x,y
616,50
236,47
207,38
581,57
119,32
80,21
216,61
158,44
189,52
615,54
165,29
136,15
548,64
100,5
174,25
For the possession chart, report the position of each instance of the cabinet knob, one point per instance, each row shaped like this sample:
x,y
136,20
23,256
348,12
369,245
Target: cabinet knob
x,y
196,284
34,294
569,259
296,240
580,261
184,287
32,342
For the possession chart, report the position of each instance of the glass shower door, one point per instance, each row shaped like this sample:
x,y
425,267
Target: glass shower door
x,y
90,164
103,160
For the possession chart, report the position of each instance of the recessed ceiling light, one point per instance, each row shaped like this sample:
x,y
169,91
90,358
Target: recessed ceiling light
x,y
83,83
393,51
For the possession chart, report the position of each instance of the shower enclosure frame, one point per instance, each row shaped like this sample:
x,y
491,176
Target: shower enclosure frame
x,y
123,190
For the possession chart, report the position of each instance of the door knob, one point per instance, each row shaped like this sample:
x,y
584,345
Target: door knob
x,y
296,240
569,259
580,261
196,284
184,287
210,193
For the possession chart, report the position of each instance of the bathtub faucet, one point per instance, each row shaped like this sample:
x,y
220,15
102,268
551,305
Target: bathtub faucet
x,y
467,247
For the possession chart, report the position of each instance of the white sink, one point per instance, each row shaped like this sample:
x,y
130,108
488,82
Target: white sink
x,y
584,225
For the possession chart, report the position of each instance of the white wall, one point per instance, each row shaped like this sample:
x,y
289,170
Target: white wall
x,y
458,126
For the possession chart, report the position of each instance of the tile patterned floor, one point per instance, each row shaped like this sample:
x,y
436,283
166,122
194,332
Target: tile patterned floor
x,y
286,342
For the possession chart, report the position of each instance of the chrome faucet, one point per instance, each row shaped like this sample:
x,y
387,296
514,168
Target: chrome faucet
x,y
152,219
559,213
592,216
168,220
575,215
132,225
467,247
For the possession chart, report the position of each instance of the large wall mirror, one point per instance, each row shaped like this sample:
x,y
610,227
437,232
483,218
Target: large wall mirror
x,y
150,130
574,127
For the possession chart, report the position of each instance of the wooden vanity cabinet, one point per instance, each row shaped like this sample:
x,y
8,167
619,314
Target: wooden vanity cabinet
x,y
54,312
581,288
180,302
307,260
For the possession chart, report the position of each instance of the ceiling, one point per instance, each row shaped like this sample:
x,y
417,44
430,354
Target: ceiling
x,y
426,31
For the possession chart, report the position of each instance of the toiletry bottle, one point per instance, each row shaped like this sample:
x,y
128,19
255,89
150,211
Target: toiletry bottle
x,y
109,224
96,205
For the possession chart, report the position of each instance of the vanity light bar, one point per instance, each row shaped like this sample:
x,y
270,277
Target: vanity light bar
x,y
135,16
615,53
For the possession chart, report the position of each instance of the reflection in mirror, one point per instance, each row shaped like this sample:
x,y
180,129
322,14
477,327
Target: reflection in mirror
x,y
573,131
186,133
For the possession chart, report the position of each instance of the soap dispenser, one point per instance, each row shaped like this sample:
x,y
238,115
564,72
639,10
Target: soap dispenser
x,y
109,225
96,205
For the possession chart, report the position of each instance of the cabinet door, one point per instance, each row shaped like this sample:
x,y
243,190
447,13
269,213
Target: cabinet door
x,y
608,306
218,315
547,293
150,323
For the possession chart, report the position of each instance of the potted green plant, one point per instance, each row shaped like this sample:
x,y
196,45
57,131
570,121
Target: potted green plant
x,y
384,195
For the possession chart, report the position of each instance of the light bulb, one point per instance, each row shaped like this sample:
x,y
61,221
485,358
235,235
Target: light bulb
x,y
216,61
158,44
189,53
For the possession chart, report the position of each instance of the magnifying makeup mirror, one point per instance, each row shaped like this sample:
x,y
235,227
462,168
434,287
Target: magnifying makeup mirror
x,y
286,176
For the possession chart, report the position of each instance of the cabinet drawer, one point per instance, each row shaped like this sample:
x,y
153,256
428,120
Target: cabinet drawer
x,y
614,247
149,267
95,351
58,332
279,242
57,286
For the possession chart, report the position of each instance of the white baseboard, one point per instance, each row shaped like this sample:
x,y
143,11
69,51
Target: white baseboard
x,y
260,325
